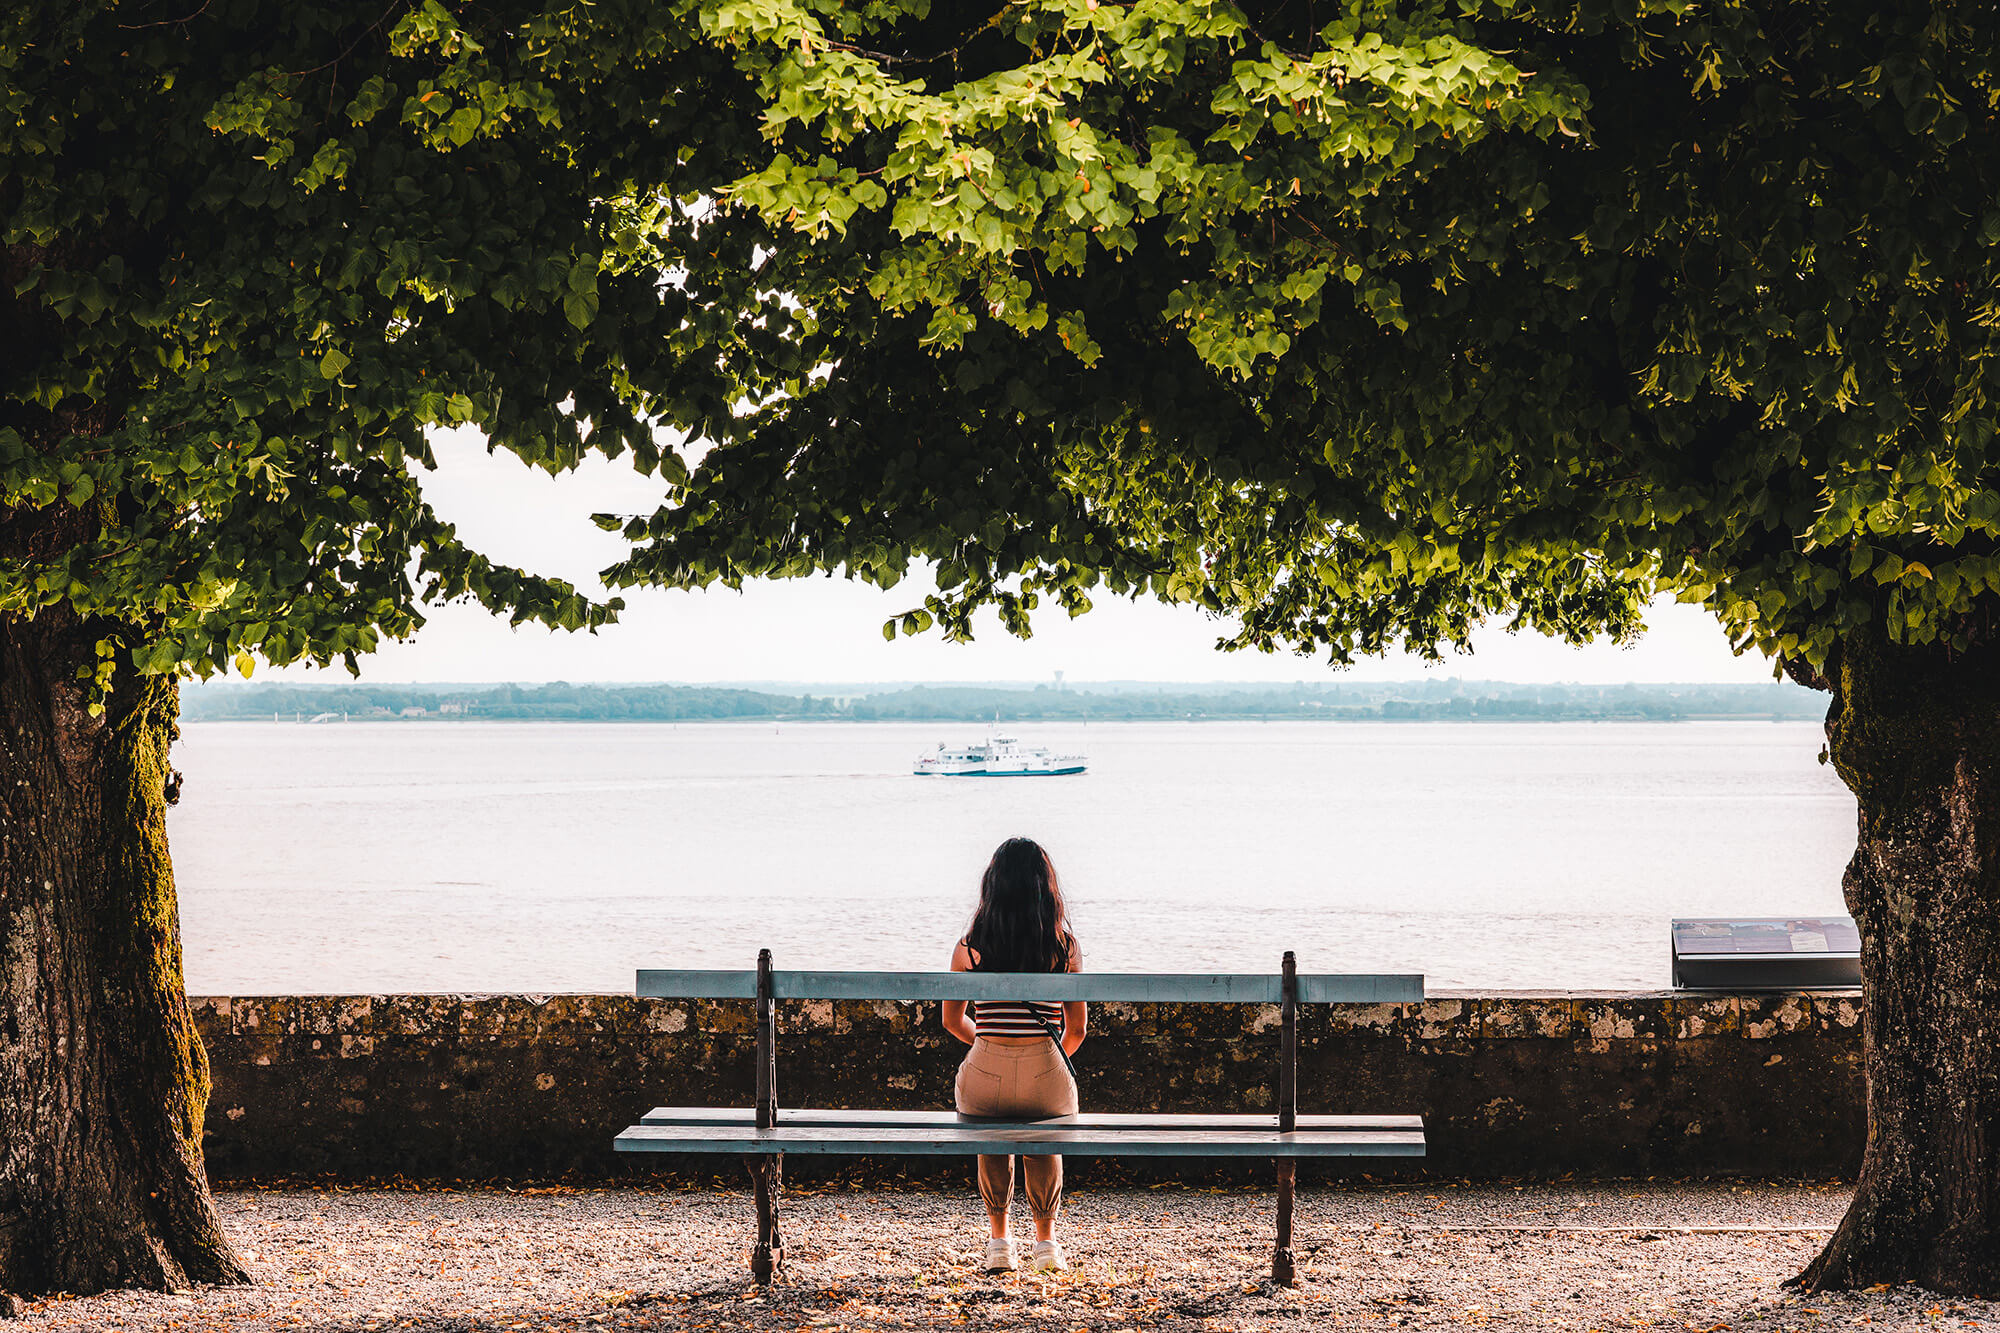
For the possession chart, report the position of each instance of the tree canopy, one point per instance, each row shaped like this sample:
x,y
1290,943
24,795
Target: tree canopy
x,y
254,252
1370,323
1362,323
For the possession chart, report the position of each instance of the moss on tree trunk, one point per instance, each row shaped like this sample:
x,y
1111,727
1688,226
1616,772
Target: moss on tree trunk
x,y
1915,732
103,1081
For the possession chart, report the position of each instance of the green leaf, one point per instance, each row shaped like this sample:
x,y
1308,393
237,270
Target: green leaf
x,y
581,308
333,363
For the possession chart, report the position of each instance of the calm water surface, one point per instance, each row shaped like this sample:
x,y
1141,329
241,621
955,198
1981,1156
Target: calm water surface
x,y
538,857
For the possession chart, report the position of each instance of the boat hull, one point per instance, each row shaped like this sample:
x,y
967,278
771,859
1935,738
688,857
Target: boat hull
x,y
999,772
999,757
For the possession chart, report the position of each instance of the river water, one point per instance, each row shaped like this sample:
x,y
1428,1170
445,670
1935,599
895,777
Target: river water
x,y
467,856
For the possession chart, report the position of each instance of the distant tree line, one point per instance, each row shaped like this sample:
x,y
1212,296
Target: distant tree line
x,y
1419,701
556,702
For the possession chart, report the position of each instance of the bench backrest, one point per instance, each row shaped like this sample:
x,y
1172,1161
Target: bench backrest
x,y
1131,987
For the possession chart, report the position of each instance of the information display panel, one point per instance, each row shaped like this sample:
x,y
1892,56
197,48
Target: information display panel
x,y
1766,953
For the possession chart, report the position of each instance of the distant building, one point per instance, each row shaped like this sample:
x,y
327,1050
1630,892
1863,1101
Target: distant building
x,y
415,710
453,707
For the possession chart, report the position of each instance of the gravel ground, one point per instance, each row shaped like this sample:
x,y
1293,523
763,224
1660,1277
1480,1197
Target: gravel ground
x,y
1611,1255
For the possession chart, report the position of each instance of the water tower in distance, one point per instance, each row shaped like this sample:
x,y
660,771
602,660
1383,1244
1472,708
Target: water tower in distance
x,y
1059,682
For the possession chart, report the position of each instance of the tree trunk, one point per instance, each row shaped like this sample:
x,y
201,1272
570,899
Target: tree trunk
x,y
103,1081
1915,732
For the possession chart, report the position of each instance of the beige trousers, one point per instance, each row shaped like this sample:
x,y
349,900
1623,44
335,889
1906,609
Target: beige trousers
x,y
1024,1081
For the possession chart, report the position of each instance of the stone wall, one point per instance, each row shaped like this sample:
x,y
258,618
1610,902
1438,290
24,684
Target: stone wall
x,y
521,1086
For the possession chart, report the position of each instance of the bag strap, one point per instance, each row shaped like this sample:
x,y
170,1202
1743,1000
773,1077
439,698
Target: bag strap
x,y
1054,1037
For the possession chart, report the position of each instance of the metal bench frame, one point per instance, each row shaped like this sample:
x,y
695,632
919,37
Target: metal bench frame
x,y
683,1129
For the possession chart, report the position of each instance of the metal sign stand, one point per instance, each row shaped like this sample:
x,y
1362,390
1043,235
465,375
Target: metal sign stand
x,y
767,1170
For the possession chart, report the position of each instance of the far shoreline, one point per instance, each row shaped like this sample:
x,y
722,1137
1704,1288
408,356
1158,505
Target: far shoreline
x,y
1003,704
806,719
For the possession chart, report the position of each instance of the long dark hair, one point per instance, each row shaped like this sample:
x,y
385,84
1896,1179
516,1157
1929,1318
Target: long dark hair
x,y
1021,924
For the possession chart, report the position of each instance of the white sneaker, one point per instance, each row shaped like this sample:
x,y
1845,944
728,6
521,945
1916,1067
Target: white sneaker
x,y
1000,1254
1048,1257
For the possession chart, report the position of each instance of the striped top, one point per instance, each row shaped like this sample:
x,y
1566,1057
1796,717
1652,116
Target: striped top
x,y
1015,1018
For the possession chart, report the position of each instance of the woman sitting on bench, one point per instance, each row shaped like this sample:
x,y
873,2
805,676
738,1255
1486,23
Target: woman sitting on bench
x,y
1018,1068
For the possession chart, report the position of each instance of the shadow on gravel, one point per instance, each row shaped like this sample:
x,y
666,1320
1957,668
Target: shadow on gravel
x,y
1896,1308
1559,1258
1097,1302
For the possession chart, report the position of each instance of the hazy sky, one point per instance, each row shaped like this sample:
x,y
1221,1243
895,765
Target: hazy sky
x,y
831,630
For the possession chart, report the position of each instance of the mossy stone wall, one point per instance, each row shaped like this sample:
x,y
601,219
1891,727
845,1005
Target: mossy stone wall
x,y
525,1086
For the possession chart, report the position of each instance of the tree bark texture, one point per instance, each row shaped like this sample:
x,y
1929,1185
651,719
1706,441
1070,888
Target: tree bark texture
x,y
103,1081
1915,733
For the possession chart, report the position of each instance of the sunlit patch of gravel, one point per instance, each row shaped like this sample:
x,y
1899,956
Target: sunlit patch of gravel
x,y
1607,1255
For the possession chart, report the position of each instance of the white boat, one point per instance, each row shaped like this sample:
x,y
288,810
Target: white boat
x,y
999,757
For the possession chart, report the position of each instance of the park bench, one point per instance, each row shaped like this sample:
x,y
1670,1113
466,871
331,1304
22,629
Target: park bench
x,y
763,1133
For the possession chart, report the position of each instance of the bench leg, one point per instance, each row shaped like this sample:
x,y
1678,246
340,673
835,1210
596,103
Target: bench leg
x,y
767,1172
1283,1271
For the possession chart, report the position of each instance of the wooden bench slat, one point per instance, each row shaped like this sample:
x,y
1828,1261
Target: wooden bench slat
x,y
690,984
1130,987
1104,1120
1033,1140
